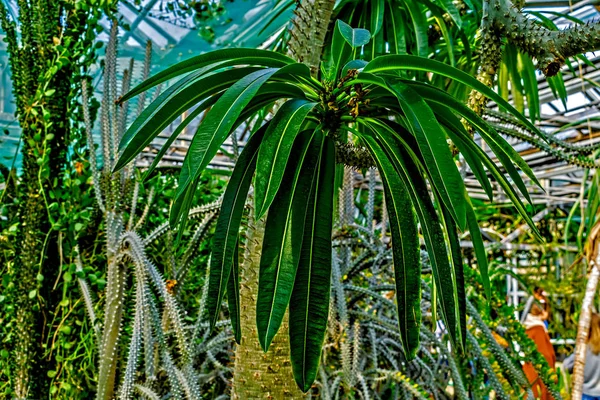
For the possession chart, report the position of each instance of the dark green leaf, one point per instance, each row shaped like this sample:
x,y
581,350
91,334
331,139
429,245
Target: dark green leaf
x,y
377,9
479,247
284,231
432,143
395,29
258,57
228,223
410,62
405,249
406,164
215,127
457,277
420,26
309,305
453,125
233,296
275,151
191,117
169,106
450,8
503,150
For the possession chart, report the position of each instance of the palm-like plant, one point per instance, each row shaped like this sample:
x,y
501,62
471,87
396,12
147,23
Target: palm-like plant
x,y
359,114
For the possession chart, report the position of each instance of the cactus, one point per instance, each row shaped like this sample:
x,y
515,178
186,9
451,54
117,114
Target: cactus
x,y
131,364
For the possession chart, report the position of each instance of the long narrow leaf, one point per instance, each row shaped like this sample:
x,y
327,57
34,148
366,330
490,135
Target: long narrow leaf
x,y
420,27
228,224
275,151
309,304
452,125
433,146
503,150
233,296
377,9
479,247
169,106
284,231
215,128
262,58
407,168
410,62
395,29
405,249
457,276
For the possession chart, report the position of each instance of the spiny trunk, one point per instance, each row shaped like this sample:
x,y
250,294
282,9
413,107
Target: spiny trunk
x,y
308,32
259,375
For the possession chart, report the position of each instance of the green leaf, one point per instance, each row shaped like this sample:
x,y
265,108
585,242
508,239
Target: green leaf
x,y
283,237
503,150
453,125
264,58
458,277
354,64
167,145
340,52
354,37
215,127
410,62
432,143
377,9
228,224
531,86
450,8
169,106
559,90
406,163
395,29
309,304
405,249
480,252
275,151
448,39
233,296
442,98
420,26
342,46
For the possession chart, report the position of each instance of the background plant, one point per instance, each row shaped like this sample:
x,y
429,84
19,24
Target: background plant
x,y
49,51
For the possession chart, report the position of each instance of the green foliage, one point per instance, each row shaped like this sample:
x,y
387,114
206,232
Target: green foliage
x,y
361,103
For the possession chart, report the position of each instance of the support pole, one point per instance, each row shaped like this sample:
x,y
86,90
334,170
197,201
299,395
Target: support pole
x,y
583,330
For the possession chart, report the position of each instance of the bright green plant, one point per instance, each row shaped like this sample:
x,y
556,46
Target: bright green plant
x,y
387,120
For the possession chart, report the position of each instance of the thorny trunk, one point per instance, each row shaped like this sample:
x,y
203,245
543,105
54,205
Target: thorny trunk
x,y
260,375
308,32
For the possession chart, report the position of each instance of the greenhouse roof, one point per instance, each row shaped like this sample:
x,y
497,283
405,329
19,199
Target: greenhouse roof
x,y
175,38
